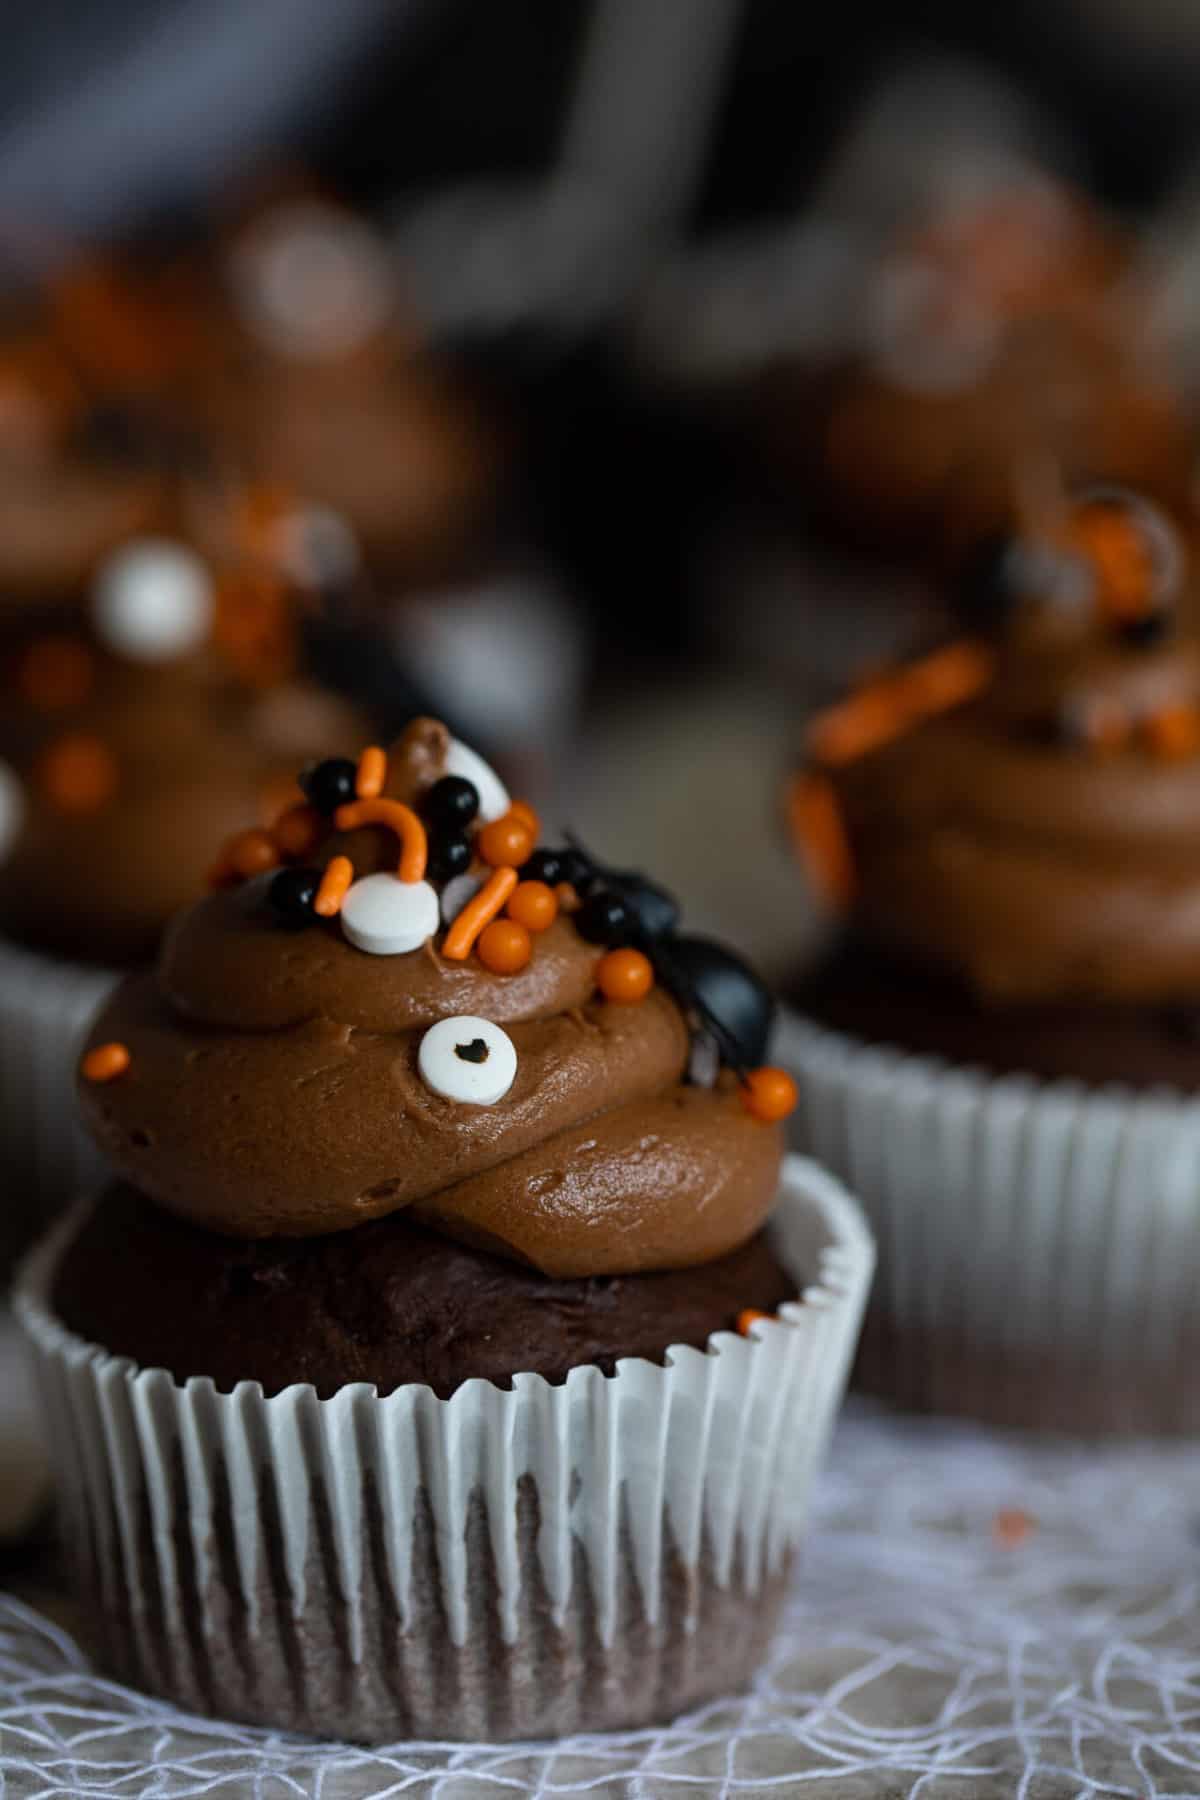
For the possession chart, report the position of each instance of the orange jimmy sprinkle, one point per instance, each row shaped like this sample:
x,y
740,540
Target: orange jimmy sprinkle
x,y
479,911
749,1315
819,832
1173,732
78,773
414,845
888,706
56,673
372,773
335,884
105,1062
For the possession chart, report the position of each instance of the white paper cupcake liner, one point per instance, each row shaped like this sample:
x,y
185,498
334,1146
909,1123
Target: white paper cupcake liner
x,y
1039,1242
46,1006
500,1564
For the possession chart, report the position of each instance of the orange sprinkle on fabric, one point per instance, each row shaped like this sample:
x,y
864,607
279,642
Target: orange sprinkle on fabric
x,y
1173,732
414,845
335,885
819,833
890,705
78,773
297,830
1011,1526
372,773
748,1317
479,911
56,673
105,1062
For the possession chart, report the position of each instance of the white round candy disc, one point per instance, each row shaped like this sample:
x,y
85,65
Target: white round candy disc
x,y
153,600
387,917
493,795
467,1059
12,808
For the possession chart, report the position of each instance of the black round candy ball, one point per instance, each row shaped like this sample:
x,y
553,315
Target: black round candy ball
x,y
330,784
605,919
451,801
291,894
544,865
449,854
726,988
579,870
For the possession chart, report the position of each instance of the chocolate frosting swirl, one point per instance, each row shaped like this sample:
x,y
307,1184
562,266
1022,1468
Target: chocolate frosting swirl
x,y
1035,861
273,1089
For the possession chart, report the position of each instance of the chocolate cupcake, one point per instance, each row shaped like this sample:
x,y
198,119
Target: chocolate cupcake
x,y
464,1389
1001,1046
136,730
1001,332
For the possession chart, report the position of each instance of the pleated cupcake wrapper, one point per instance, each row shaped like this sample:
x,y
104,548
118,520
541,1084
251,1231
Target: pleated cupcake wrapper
x,y
652,1472
46,1006
1048,1225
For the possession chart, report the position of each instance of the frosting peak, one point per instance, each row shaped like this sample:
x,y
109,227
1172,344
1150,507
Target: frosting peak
x,y
306,1059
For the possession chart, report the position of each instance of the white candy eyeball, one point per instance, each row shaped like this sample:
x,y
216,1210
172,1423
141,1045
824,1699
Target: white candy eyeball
x,y
457,891
12,808
387,917
467,1059
493,795
153,600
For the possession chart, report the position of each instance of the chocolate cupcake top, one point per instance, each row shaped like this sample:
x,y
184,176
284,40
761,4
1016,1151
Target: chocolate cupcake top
x,y
136,731
1021,806
998,331
411,1005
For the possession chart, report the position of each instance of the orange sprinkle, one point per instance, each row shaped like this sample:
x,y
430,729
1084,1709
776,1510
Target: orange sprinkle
x,y
521,809
251,853
749,1315
819,833
506,843
1173,732
479,911
533,905
624,976
414,845
1011,1526
297,830
568,899
105,1062
372,773
769,1095
56,673
335,884
504,947
888,706
78,773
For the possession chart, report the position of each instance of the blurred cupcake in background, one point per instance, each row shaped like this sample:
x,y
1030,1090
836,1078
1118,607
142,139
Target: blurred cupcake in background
x,y
1000,1048
138,727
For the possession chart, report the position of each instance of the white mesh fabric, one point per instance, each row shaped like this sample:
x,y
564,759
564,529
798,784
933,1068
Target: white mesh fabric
x,y
919,1656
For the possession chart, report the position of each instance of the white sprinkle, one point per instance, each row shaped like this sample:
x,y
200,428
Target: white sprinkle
x,y
388,917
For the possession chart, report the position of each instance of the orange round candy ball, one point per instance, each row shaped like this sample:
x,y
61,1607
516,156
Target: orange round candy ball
x,y
624,976
533,904
521,809
506,843
769,1094
504,946
251,853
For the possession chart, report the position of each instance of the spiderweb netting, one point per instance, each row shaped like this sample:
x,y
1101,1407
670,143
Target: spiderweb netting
x,y
978,1615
